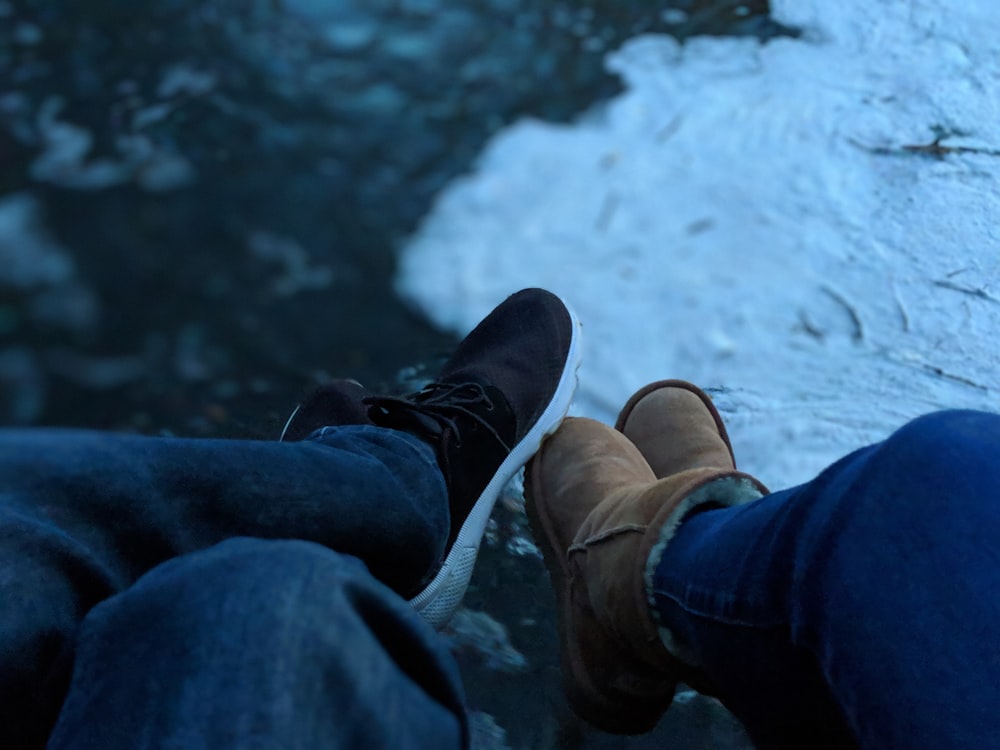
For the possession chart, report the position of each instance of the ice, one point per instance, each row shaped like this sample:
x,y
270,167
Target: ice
x,y
805,227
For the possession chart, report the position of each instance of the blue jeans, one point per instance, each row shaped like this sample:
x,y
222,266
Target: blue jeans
x,y
859,609
153,594
260,644
171,593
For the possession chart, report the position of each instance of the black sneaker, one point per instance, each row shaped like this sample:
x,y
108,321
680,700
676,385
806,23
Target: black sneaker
x,y
508,385
338,402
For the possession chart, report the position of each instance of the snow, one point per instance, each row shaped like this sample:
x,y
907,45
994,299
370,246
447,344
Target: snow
x,y
806,227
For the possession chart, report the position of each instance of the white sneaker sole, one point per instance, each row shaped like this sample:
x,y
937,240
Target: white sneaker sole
x,y
439,600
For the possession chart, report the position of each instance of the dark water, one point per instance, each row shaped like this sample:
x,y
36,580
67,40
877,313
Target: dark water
x,y
201,204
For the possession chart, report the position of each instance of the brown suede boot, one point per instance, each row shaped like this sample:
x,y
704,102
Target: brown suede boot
x,y
599,513
675,426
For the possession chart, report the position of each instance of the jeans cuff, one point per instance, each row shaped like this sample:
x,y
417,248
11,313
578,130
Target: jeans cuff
x,y
724,492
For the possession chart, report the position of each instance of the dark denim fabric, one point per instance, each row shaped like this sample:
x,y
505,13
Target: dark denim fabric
x,y
260,645
83,515
860,609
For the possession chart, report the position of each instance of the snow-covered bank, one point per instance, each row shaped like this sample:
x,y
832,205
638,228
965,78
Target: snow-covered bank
x,y
807,226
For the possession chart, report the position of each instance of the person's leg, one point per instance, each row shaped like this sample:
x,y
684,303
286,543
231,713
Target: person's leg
x,y
858,609
862,604
260,644
84,514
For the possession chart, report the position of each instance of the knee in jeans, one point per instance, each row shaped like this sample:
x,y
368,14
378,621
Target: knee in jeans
x,y
262,580
268,567
945,454
940,436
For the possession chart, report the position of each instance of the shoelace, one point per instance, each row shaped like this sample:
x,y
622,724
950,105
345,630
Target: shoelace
x,y
442,403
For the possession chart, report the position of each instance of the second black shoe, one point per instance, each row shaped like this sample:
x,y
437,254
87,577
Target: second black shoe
x,y
339,402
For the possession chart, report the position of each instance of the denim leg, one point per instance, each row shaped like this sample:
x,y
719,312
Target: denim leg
x,y
859,609
84,514
254,645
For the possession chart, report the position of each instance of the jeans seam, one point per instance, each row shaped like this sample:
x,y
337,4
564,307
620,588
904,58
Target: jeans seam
x,y
714,616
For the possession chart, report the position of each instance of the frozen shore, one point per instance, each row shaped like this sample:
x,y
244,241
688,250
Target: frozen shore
x,y
806,227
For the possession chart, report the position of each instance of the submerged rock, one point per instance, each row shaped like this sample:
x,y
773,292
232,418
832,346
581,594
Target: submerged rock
x,y
482,636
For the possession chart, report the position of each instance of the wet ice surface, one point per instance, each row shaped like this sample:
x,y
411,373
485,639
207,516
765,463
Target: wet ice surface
x,y
805,227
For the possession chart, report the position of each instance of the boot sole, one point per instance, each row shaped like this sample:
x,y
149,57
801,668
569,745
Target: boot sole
x,y
594,702
441,597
